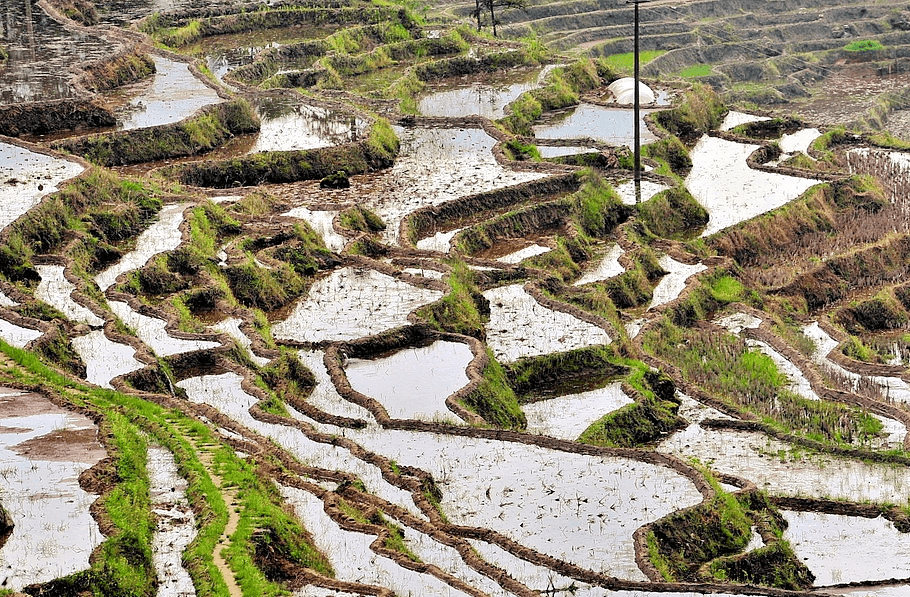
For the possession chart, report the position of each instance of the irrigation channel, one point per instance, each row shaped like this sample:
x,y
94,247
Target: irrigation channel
x,y
454,368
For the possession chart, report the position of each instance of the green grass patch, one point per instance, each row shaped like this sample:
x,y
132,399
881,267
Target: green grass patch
x,y
464,310
696,70
494,399
865,45
626,62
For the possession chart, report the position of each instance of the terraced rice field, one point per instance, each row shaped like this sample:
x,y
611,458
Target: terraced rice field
x,y
347,299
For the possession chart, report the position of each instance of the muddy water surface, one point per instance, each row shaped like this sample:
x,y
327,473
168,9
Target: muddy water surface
x,y
43,449
321,222
566,417
104,360
414,383
351,303
152,331
55,290
163,235
590,121
26,177
844,549
290,126
16,335
351,557
481,99
785,469
41,53
171,95
438,165
722,182
519,327
607,268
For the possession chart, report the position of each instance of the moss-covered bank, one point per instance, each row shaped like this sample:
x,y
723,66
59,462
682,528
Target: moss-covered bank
x,y
199,134
376,152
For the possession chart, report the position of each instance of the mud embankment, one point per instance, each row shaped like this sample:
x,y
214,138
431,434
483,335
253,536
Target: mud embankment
x,y
452,214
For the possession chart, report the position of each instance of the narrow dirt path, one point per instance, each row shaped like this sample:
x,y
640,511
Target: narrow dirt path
x,y
230,500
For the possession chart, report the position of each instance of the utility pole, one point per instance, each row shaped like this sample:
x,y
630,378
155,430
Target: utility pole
x,y
637,105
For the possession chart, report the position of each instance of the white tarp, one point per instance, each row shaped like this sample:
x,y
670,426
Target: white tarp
x,y
624,91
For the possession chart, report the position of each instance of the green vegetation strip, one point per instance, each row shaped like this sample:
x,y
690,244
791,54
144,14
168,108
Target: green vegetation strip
x,y
123,566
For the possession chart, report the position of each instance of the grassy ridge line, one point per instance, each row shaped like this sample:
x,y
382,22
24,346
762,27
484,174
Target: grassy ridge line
x,y
196,135
122,562
157,26
376,152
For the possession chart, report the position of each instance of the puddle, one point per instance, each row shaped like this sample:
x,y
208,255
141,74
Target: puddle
x,y
26,177
414,383
43,449
674,282
842,549
151,330
649,189
799,141
481,99
734,119
892,388
566,417
350,555
731,192
590,121
522,254
435,166
16,335
231,327
737,322
176,524
321,222
426,273
55,290
608,267
224,393
633,328
163,235
172,95
521,327
104,360
351,303
41,54
785,469
287,127
441,241
553,151
755,541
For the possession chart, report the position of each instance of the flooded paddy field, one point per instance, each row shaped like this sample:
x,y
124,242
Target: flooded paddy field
x,y
397,354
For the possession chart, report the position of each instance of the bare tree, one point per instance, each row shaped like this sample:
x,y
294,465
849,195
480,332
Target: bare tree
x,y
497,5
